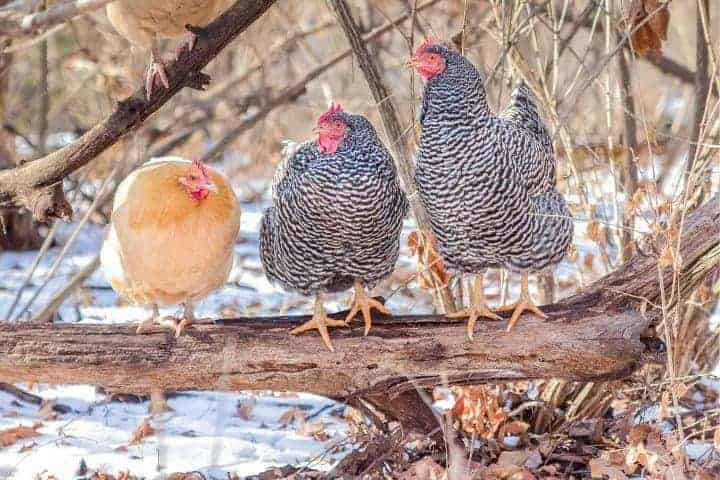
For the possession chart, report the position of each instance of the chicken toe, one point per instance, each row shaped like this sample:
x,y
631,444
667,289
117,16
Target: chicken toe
x,y
188,319
525,303
150,321
321,322
363,303
478,308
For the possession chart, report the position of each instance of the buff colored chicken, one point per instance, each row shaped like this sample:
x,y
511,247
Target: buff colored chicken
x,y
174,224
144,22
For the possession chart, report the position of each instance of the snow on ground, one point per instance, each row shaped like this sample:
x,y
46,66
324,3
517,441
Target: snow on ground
x,y
204,432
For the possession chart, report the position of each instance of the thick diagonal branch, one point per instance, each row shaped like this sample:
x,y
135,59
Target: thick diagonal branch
x,y
23,185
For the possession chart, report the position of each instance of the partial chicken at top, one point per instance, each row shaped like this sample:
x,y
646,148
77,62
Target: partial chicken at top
x,y
144,22
336,217
487,180
171,237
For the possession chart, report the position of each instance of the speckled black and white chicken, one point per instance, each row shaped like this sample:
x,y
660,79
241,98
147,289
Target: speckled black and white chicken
x,y
336,217
487,180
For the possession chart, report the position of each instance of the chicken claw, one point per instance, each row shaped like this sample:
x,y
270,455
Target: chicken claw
x,y
188,319
525,303
477,309
363,303
155,74
321,322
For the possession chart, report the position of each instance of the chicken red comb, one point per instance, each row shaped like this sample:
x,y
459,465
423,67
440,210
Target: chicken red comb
x,y
334,108
197,163
428,42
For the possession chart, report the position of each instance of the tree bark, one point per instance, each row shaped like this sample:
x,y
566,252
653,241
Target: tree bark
x,y
17,229
597,334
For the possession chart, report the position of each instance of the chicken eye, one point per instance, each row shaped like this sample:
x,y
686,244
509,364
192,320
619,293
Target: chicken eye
x,y
338,124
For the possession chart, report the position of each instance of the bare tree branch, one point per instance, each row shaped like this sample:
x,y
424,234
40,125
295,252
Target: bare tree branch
x,y
30,185
17,23
391,123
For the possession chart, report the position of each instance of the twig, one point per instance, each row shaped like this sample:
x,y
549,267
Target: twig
x,y
298,88
629,174
17,24
391,123
29,184
28,397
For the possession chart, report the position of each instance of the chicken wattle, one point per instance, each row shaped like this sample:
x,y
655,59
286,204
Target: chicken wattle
x,y
336,217
173,227
486,180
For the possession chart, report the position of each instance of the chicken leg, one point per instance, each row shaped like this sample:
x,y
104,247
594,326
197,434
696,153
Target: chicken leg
x,y
188,319
478,308
150,321
363,303
156,71
524,303
320,321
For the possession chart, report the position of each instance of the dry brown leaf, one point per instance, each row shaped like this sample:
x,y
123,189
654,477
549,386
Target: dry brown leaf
x,y
47,411
599,468
666,257
187,476
648,21
315,430
430,267
291,415
664,405
11,435
588,260
246,407
594,231
425,469
478,409
142,432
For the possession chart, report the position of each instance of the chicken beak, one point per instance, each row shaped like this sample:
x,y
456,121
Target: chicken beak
x,y
412,63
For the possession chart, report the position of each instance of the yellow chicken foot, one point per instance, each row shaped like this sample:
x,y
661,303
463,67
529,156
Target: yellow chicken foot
x,y
150,321
363,303
156,71
524,303
321,322
188,319
478,308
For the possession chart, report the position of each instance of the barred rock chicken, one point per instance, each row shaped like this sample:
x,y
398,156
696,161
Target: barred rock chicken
x,y
174,224
144,22
335,219
486,180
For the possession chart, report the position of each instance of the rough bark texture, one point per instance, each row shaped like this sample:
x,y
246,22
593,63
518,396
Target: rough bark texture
x,y
17,229
594,335
31,184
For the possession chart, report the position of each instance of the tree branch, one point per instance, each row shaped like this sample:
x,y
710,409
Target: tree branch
x,y
29,185
597,334
15,23
391,123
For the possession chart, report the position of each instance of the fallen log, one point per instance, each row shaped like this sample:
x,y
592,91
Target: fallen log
x,y
597,334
